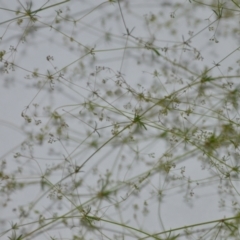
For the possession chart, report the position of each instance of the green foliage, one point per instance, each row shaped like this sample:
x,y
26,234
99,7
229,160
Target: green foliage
x,y
120,119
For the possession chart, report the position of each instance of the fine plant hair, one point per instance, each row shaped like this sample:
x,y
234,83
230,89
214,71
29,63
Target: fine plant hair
x,y
119,119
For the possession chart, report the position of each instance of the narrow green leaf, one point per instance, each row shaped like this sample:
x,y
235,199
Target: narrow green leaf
x,y
215,12
156,51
